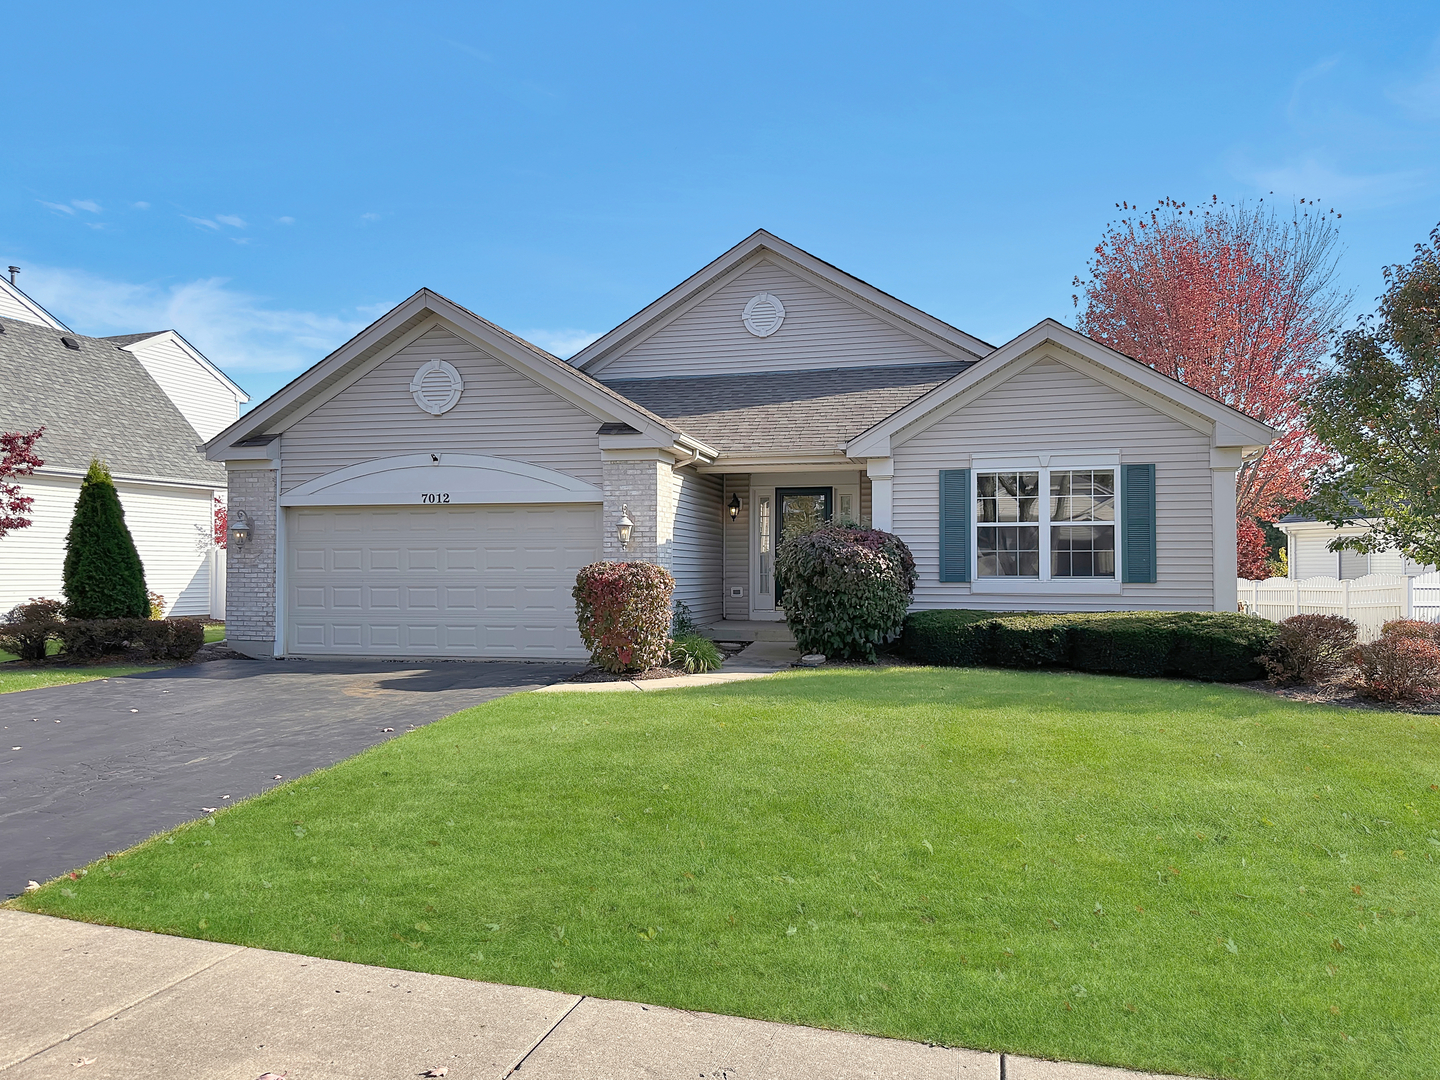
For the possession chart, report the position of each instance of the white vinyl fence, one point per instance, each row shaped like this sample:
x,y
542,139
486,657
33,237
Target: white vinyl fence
x,y
216,559
1369,601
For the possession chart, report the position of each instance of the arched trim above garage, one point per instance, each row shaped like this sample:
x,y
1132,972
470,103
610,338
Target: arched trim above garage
x,y
421,479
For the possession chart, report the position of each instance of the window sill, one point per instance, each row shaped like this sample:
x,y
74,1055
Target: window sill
x,y
1061,586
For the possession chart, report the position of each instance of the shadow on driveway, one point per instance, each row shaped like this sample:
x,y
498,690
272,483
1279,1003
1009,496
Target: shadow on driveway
x,y
104,764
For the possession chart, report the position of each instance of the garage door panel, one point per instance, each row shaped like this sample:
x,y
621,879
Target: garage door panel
x,y
447,581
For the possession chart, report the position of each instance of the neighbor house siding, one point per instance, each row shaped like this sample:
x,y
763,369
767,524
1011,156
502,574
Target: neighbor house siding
x,y
203,399
820,330
695,561
737,547
1052,407
500,413
161,519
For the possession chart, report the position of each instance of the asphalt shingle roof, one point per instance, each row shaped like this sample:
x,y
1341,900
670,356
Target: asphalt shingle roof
x,y
95,401
785,410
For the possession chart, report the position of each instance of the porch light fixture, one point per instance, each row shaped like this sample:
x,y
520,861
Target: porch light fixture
x,y
239,529
622,530
734,507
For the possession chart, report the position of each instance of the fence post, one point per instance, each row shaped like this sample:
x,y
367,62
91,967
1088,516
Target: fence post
x,y
1407,607
1295,598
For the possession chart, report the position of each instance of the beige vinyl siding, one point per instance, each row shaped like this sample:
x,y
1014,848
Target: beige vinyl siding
x,y
161,519
1052,407
695,556
737,547
820,330
204,400
500,412
1311,558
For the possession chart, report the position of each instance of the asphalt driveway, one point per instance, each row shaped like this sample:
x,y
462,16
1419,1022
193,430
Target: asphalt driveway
x,y
102,765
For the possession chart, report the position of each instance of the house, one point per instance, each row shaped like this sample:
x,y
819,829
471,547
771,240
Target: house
x,y
432,486
142,403
1309,555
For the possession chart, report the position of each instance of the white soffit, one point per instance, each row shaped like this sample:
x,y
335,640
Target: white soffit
x,y
441,479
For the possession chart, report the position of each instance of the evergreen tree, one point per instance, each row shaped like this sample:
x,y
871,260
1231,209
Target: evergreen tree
x,y
104,578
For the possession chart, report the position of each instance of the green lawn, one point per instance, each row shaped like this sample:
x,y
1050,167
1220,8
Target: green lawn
x,y
1163,875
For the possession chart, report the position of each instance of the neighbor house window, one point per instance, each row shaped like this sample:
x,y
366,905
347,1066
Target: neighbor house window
x,y
1082,523
1006,543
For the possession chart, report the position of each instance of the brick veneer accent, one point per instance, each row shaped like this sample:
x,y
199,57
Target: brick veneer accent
x,y
645,482
250,571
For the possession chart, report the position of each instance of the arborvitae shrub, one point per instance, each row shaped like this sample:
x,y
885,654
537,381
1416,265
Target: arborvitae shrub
x,y
104,578
623,610
846,589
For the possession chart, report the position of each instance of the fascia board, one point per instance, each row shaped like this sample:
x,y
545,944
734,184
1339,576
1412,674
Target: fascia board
x,y
702,284
61,473
195,355
306,382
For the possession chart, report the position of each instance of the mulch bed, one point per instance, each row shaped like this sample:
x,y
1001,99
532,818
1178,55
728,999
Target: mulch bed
x,y
596,674
1336,691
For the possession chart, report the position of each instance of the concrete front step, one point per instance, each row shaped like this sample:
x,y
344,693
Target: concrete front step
x,y
749,630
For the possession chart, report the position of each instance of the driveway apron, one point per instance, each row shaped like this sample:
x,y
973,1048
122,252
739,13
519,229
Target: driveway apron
x,y
104,764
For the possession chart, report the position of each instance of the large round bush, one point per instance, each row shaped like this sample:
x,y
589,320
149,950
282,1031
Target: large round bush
x,y
623,610
846,590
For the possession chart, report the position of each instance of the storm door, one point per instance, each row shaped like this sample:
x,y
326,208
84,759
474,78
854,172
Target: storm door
x,y
800,510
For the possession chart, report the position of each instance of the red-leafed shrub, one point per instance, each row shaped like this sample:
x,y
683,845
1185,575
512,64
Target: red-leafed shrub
x,y
1309,648
29,626
846,589
138,640
1402,665
623,609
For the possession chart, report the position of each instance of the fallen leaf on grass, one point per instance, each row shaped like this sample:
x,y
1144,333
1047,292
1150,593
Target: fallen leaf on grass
x,y
439,1070
31,886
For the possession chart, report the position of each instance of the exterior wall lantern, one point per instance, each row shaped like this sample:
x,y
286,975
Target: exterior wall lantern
x,y
734,507
239,529
622,530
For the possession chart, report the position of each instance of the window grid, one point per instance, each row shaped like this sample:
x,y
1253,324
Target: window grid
x,y
1077,521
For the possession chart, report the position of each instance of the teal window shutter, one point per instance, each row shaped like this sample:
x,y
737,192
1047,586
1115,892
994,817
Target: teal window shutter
x,y
954,524
1137,523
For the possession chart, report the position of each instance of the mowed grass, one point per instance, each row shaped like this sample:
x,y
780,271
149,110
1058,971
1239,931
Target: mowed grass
x,y
1163,875
25,677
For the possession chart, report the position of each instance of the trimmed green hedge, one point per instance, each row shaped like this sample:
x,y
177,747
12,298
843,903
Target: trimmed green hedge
x,y
1214,646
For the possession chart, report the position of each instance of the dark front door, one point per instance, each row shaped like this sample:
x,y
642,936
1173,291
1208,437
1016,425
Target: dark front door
x,y
801,509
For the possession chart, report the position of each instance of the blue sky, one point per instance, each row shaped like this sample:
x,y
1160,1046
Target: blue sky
x,y
268,178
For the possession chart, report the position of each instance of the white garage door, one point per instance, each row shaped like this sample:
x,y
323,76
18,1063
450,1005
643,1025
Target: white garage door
x,y
437,581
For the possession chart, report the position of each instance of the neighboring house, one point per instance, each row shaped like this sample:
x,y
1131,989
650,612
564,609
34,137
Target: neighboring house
x,y
1309,555
432,486
141,403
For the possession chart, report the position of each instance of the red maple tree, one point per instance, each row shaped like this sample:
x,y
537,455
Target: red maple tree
x,y
1239,303
17,459
220,524
1252,553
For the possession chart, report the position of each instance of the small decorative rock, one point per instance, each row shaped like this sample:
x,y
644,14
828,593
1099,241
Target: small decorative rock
x,y
813,659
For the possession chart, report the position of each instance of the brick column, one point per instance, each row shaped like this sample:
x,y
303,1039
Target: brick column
x,y
643,481
250,570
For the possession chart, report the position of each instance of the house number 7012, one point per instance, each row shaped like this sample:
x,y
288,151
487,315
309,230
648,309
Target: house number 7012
x,y
435,497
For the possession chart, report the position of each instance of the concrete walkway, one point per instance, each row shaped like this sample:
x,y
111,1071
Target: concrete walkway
x,y
755,662
122,1004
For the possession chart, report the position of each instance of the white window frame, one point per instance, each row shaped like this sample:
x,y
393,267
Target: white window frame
x,y
1044,464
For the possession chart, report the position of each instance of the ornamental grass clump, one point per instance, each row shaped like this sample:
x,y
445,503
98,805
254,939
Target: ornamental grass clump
x,y
623,610
846,589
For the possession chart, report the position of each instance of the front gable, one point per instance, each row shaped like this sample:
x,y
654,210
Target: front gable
x,y
820,328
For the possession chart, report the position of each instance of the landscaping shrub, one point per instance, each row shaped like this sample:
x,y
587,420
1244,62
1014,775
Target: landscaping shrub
x,y
623,610
157,605
1309,648
140,640
694,653
29,627
682,622
103,576
846,589
1213,646
1402,665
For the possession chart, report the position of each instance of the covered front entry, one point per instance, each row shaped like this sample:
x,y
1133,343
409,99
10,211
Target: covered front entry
x,y
434,581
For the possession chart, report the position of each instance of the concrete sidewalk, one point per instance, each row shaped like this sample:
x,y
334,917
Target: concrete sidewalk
x,y
124,1004
755,662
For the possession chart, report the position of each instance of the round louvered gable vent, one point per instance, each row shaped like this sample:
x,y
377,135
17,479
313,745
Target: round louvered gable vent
x,y
436,387
763,314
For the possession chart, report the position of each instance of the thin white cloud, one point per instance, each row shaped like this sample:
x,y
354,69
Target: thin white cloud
x,y
230,219
140,206
86,204
238,331
204,223
286,220
1315,179
563,343
61,207
370,217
